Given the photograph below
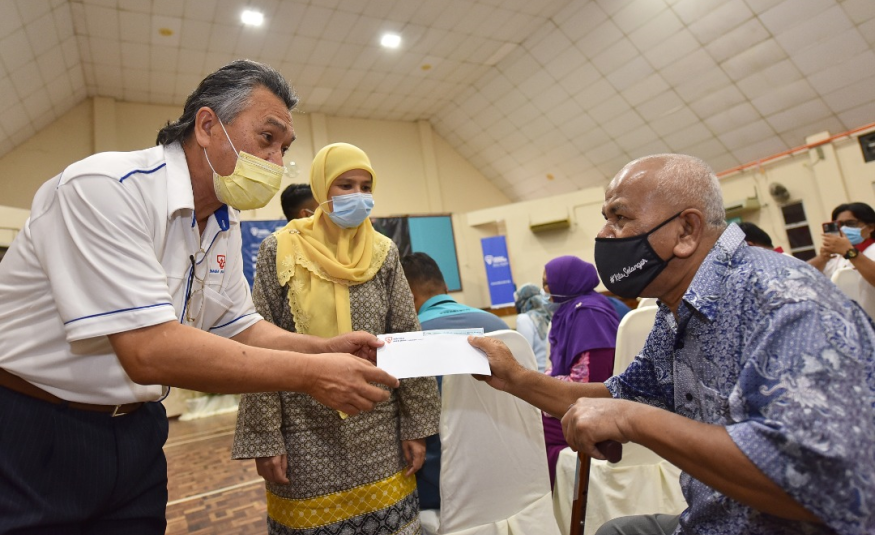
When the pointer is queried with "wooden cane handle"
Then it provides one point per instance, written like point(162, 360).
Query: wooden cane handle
point(611, 449)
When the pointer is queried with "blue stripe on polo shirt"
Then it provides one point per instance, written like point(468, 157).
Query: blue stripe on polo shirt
point(117, 312)
point(141, 171)
point(232, 321)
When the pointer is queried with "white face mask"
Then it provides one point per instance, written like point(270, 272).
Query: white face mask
point(253, 183)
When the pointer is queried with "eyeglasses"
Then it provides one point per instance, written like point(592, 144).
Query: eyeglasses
point(194, 299)
point(854, 223)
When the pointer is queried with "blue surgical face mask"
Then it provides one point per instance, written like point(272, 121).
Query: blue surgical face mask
point(853, 234)
point(351, 210)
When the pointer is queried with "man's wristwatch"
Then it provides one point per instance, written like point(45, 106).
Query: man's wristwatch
point(851, 253)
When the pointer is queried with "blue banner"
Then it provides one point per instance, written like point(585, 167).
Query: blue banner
point(254, 232)
point(501, 286)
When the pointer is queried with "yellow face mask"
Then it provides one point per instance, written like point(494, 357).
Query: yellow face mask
point(253, 183)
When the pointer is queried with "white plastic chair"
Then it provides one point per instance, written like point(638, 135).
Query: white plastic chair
point(631, 335)
point(642, 482)
point(647, 302)
point(494, 478)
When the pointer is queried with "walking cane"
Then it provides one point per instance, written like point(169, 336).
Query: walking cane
point(613, 452)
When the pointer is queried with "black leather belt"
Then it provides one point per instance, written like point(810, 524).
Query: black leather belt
point(17, 384)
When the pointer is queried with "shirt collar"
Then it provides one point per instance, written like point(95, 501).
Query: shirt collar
point(179, 192)
point(180, 195)
point(432, 301)
point(708, 286)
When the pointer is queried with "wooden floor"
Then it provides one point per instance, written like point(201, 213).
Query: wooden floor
point(210, 494)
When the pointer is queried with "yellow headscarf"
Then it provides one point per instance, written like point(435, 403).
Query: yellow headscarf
point(320, 260)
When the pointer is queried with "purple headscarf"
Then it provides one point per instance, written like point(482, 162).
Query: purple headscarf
point(585, 320)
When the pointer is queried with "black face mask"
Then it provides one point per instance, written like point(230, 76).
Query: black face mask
point(627, 265)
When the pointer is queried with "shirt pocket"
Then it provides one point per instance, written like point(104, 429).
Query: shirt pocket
point(216, 307)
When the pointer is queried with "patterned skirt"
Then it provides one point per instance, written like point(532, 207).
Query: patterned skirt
point(386, 507)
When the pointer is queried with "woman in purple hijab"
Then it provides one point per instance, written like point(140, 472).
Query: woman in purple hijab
point(583, 335)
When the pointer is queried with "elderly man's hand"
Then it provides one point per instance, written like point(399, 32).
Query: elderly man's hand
point(358, 343)
point(835, 244)
point(501, 361)
point(592, 420)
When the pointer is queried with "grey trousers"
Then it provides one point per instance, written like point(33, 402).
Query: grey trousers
point(640, 525)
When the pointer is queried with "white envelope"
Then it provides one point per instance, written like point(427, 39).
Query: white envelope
point(430, 353)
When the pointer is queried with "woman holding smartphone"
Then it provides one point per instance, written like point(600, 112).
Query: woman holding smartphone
point(847, 243)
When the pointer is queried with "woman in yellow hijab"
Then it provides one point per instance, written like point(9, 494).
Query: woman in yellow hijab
point(326, 275)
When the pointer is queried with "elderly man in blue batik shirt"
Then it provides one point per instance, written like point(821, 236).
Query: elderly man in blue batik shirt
point(757, 380)
point(437, 310)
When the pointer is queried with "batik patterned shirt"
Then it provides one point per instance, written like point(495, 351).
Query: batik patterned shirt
point(768, 347)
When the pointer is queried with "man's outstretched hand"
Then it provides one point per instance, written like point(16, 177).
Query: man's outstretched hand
point(342, 382)
point(502, 363)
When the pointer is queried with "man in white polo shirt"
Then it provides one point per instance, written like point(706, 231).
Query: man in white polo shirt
point(127, 270)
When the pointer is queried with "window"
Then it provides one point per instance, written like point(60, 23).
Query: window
point(798, 231)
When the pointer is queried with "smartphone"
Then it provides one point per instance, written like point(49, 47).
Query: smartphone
point(831, 227)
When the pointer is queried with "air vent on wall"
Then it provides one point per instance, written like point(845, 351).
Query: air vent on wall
point(559, 224)
point(549, 222)
point(751, 204)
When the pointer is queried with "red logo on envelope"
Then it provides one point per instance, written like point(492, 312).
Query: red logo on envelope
point(388, 339)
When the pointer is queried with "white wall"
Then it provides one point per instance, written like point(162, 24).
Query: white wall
point(11, 221)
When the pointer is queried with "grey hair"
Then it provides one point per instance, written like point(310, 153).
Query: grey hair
point(686, 181)
point(227, 93)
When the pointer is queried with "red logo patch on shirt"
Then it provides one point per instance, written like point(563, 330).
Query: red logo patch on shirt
point(220, 259)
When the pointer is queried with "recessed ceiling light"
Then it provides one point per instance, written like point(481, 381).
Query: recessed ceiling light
point(390, 40)
point(252, 18)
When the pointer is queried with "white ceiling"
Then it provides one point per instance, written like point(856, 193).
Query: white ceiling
point(543, 96)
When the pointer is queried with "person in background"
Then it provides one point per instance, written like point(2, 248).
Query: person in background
point(757, 237)
point(325, 275)
point(757, 380)
point(852, 248)
point(437, 310)
point(533, 320)
point(583, 335)
point(298, 202)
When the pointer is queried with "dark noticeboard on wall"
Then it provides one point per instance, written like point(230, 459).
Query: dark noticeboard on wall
point(429, 234)
point(432, 235)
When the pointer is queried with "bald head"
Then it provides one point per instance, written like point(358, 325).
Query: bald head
point(675, 203)
point(669, 183)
